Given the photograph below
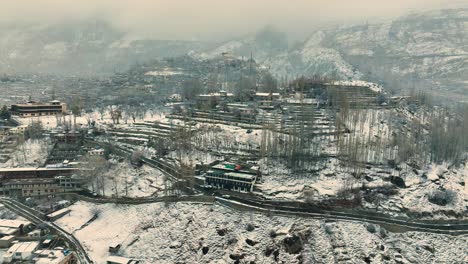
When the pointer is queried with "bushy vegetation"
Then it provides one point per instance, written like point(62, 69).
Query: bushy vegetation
point(4, 113)
point(442, 197)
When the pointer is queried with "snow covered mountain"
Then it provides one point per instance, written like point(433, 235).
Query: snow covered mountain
point(428, 50)
point(308, 58)
point(79, 48)
point(423, 50)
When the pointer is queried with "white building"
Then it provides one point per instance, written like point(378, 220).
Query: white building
point(22, 251)
point(120, 260)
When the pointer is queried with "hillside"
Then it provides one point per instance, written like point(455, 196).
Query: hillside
point(79, 48)
point(427, 50)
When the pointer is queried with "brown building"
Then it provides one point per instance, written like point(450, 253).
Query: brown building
point(31, 173)
point(35, 108)
point(37, 181)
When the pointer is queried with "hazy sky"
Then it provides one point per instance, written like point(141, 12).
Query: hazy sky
point(194, 18)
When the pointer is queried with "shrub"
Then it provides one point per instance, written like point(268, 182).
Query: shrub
point(328, 229)
point(273, 233)
point(383, 232)
point(371, 228)
point(442, 197)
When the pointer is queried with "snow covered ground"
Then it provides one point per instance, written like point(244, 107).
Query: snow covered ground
point(31, 153)
point(198, 233)
point(124, 180)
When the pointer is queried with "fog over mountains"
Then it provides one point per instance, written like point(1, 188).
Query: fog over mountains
point(428, 49)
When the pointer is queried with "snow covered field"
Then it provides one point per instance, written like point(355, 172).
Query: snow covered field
point(31, 153)
point(124, 180)
point(198, 233)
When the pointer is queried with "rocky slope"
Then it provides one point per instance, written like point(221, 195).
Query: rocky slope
point(196, 233)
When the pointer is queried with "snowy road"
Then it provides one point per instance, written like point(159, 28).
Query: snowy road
point(38, 218)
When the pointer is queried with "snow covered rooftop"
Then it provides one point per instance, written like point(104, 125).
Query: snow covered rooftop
point(216, 94)
point(23, 247)
point(165, 72)
point(119, 260)
point(267, 94)
point(373, 86)
point(35, 169)
point(49, 257)
point(13, 223)
point(8, 230)
point(6, 238)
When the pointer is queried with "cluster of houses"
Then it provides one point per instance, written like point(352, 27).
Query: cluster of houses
point(22, 242)
point(325, 93)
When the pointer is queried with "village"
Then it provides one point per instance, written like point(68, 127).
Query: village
point(310, 145)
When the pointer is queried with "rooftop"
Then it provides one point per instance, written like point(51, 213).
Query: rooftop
point(29, 181)
point(6, 238)
point(13, 223)
point(34, 169)
point(216, 94)
point(267, 94)
point(117, 259)
point(8, 230)
point(47, 256)
point(240, 175)
point(24, 247)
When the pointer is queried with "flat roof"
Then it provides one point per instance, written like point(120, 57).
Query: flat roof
point(24, 247)
point(34, 169)
point(215, 94)
point(117, 259)
point(58, 212)
point(237, 174)
point(240, 175)
point(7, 237)
point(8, 230)
point(222, 166)
point(47, 256)
point(29, 181)
point(13, 223)
point(267, 94)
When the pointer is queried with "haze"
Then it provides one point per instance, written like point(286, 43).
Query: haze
point(166, 19)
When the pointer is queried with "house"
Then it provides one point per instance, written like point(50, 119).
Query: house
point(14, 226)
point(34, 181)
point(96, 152)
point(267, 101)
point(6, 241)
point(120, 260)
point(175, 98)
point(213, 99)
point(243, 109)
point(114, 248)
point(27, 173)
point(19, 129)
point(230, 176)
point(35, 233)
point(20, 252)
point(36, 108)
point(30, 187)
point(46, 256)
point(8, 231)
point(58, 214)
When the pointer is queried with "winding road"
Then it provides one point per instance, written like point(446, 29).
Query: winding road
point(299, 209)
point(39, 218)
